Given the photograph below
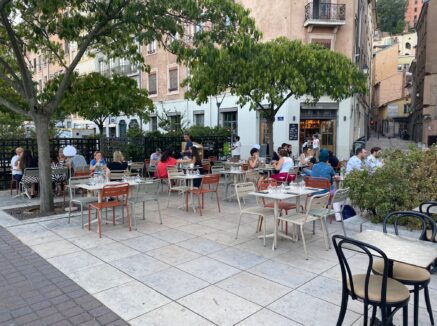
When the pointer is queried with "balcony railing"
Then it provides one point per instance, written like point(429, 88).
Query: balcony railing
point(317, 13)
point(125, 69)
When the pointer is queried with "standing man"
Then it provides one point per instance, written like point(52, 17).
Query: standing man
point(356, 162)
point(188, 145)
point(316, 146)
point(17, 173)
point(236, 148)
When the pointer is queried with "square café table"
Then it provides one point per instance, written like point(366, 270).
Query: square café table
point(401, 249)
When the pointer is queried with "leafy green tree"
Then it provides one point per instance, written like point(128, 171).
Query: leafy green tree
point(96, 98)
point(265, 75)
point(114, 27)
point(391, 15)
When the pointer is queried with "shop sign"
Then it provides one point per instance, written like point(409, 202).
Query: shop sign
point(392, 110)
point(280, 118)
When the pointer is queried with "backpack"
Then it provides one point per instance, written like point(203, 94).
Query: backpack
point(348, 212)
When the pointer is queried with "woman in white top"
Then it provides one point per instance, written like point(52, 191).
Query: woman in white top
point(284, 165)
point(306, 156)
point(316, 146)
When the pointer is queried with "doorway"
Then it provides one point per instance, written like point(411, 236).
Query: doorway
point(326, 129)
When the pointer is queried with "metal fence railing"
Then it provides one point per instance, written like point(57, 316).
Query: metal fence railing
point(135, 149)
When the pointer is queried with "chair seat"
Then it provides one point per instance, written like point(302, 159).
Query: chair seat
point(396, 291)
point(283, 205)
point(319, 212)
point(265, 211)
point(429, 235)
point(298, 218)
point(106, 204)
point(197, 191)
point(403, 272)
point(85, 200)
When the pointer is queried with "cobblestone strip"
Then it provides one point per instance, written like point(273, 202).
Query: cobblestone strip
point(33, 292)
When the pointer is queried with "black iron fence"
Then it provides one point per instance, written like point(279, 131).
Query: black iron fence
point(325, 11)
point(135, 149)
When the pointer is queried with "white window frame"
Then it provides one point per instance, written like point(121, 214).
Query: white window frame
point(151, 48)
point(169, 68)
point(153, 71)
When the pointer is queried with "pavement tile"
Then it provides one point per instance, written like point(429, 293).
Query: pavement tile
point(139, 266)
point(209, 269)
point(238, 258)
point(266, 317)
point(173, 255)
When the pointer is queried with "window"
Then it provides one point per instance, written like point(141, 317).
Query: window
point(199, 28)
point(415, 9)
point(101, 66)
point(45, 80)
point(122, 128)
point(408, 45)
point(400, 67)
point(40, 85)
point(152, 82)
point(229, 120)
point(406, 108)
point(34, 64)
point(323, 42)
point(199, 119)
point(39, 62)
point(153, 123)
point(134, 123)
point(175, 122)
point(173, 83)
point(151, 47)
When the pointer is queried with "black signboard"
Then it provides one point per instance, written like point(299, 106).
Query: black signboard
point(293, 131)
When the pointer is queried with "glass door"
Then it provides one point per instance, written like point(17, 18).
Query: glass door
point(327, 134)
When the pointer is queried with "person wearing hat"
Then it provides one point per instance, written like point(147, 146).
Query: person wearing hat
point(155, 157)
point(323, 169)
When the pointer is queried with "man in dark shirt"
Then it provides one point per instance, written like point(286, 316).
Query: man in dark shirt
point(333, 160)
point(188, 145)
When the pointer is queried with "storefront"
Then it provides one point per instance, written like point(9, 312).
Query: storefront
point(320, 120)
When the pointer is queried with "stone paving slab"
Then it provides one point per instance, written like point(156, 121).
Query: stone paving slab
point(33, 292)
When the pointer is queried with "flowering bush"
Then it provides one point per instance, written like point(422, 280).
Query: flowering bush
point(405, 180)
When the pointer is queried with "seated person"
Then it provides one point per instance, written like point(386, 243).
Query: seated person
point(254, 158)
point(333, 160)
point(275, 156)
point(323, 169)
point(306, 156)
point(284, 166)
point(118, 163)
point(98, 164)
point(155, 157)
point(167, 160)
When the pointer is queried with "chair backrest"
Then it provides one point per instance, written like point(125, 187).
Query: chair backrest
point(118, 175)
point(210, 179)
point(426, 207)
point(217, 169)
point(317, 203)
point(81, 171)
point(116, 190)
point(60, 170)
point(31, 172)
point(136, 166)
point(321, 183)
point(402, 216)
point(73, 182)
point(172, 169)
point(252, 176)
point(264, 183)
point(242, 191)
point(212, 158)
point(340, 244)
point(152, 168)
point(150, 187)
point(171, 174)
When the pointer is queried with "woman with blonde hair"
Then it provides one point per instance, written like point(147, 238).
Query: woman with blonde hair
point(118, 163)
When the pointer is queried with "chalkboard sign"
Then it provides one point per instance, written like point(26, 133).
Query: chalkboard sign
point(293, 131)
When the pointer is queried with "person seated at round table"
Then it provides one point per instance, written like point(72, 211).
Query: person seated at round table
point(284, 166)
point(98, 164)
point(167, 159)
point(254, 158)
point(306, 156)
point(333, 160)
point(118, 163)
point(58, 178)
point(323, 169)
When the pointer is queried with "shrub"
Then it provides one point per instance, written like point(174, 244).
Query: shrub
point(405, 180)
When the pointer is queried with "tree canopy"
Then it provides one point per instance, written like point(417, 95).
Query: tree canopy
point(96, 97)
point(115, 28)
point(265, 75)
point(391, 15)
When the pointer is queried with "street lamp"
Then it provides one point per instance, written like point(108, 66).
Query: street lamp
point(365, 69)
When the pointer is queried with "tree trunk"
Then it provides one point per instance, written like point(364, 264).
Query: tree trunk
point(270, 121)
point(45, 171)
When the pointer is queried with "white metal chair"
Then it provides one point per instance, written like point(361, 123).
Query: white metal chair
point(81, 201)
point(175, 184)
point(145, 192)
point(118, 174)
point(136, 167)
point(242, 191)
point(317, 203)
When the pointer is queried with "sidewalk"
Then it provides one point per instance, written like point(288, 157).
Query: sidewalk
point(388, 143)
point(33, 292)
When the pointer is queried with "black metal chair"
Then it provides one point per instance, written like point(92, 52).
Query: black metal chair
point(379, 291)
point(427, 208)
point(416, 277)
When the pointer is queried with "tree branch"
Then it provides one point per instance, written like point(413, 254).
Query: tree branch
point(29, 90)
point(16, 86)
point(283, 101)
point(3, 3)
point(12, 107)
point(9, 69)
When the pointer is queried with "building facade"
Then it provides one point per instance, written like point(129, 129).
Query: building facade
point(344, 26)
point(412, 12)
point(423, 121)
